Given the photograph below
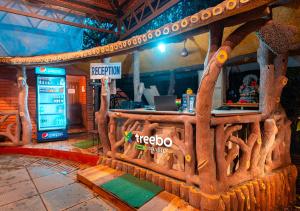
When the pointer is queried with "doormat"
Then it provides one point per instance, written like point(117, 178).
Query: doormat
point(131, 190)
point(85, 144)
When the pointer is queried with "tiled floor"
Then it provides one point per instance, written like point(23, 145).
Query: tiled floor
point(66, 145)
point(37, 184)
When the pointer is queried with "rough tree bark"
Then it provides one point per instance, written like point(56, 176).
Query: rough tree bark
point(102, 115)
point(204, 142)
point(23, 106)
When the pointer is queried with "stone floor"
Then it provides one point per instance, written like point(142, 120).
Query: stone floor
point(37, 184)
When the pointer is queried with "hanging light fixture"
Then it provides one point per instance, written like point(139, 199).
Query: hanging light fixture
point(184, 52)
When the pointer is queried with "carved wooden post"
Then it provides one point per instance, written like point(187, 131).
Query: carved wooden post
point(215, 41)
point(23, 106)
point(102, 115)
point(264, 58)
point(204, 137)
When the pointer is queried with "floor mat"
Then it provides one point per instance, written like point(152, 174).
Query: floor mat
point(131, 190)
point(85, 144)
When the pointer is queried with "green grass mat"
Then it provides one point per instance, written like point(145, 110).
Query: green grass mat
point(131, 190)
point(85, 144)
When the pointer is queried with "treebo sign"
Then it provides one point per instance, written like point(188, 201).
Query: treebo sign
point(154, 140)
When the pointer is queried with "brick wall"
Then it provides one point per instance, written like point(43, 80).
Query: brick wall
point(8, 94)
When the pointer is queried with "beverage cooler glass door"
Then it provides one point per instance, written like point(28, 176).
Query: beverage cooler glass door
point(51, 107)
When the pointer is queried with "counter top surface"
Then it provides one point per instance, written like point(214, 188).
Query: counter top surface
point(143, 111)
point(216, 113)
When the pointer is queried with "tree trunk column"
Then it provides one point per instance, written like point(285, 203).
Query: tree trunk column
point(23, 106)
point(102, 114)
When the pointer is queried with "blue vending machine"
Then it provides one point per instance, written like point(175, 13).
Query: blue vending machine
point(51, 104)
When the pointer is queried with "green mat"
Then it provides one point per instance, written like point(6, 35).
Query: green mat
point(131, 190)
point(85, 144)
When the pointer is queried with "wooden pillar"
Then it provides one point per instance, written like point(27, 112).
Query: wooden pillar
point(136, 76)
point(265, 60)
point(102, 114)
point(215, 41)
point(23, 106)
point(106, 61)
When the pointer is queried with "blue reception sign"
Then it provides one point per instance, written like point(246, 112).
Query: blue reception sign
point(50, 71)
point(110, 70)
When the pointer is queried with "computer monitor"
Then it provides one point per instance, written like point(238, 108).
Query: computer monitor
point(165, 103)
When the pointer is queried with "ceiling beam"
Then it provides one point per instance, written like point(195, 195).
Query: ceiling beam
point(46, 18)
point(156, 11)
point(80, 8)
point(94, 4)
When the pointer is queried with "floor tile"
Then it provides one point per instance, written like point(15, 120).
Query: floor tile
point(30, 204)
point(48, 162)
point(66, 196)
point(40, 171)
point(92, 205)
point(65, 167)
point(13, 176)
point(15, 192)
point(51, 182)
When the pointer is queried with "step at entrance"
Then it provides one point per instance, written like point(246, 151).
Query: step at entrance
point(97, 176)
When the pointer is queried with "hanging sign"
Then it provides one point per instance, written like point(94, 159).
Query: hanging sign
point(101, 70)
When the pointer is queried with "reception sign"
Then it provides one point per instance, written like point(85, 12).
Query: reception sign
point(110, 70)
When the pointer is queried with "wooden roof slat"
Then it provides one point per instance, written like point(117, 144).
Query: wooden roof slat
point(80, 8)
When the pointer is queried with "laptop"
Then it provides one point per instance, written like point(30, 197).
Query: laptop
point(165, 103)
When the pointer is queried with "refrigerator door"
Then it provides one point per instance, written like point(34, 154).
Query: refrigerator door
point(51, 107)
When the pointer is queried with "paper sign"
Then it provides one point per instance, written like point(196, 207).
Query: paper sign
point(101, 70)
point(71, 91)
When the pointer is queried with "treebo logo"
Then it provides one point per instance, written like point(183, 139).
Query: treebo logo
point(154, 140)
point(128, 137)
point(157, 143)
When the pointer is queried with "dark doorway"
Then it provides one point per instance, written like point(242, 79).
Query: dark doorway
point(76, 86)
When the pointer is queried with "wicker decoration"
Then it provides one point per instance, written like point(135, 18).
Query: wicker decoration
point(184, 23)
point(157, 32)
point(175, 27)
point(218, 10)
point(166, 30)
point(144, 37)
point(139, 40)
point(195, 18)
point(206, 14)
point(134, 41)
point(231, 4)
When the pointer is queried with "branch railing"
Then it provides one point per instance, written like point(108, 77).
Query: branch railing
point(177, 161)
point(12, 130)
